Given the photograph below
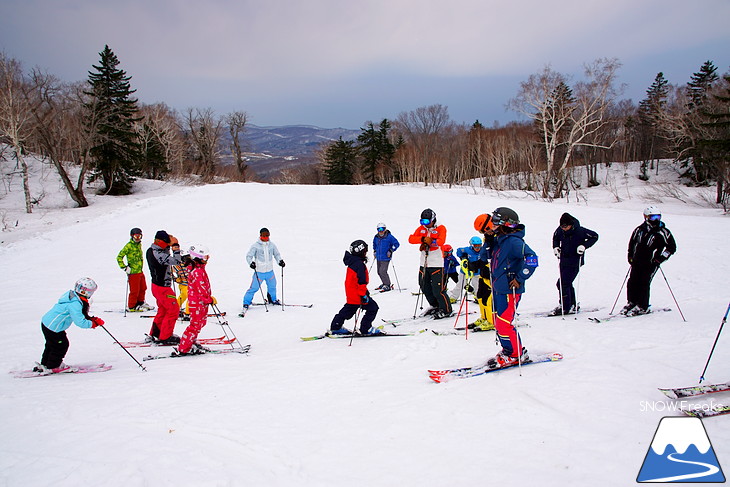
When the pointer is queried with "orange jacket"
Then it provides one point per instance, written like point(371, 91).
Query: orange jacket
point(432, 256)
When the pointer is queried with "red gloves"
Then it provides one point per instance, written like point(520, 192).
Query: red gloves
point(96, 321)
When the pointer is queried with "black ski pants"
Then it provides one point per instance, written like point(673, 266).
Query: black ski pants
point(56, 347)
point(433, 285)
point(565, 286)
point(639, 284)
point(349, 310)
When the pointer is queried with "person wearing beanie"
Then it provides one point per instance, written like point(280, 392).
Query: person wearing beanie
point(260, 258)
point(570, 241)
point(132, 251)
point(161, 256)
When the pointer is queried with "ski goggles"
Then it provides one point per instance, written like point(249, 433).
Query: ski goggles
point(498, 220)
point(381, 229)
point(425, 221)
point(654, 218)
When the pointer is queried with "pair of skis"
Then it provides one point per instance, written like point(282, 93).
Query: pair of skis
point(700, 390)
point(73, 369)
point(446, 375)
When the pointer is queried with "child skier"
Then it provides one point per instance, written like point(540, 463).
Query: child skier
point(161, 256)
point(199, 298)
point(430, 237)
point(451, 271)
point(260, 258)
point(570, 241)
point(356, 292)
point(72, 307)
point(132, 251)
point(469, 263)
point(650, 245)
point(180, 273)
point(483, 224)
point(384, 244)
point(513, 262)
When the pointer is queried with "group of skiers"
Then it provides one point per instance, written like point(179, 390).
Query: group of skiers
point(494, 267)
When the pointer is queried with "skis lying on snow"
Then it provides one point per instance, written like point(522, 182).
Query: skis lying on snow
point(357, 335)
point(74, 369)
point(692, 391)
point(699, 411)
point(460, 330)
point(419, 318)
point(466, 372)
point(243, 349)
point(203, 341)
point(550, 314)
point(285, 305)
point(707, 412)
point(610, 317)
point(209, 315)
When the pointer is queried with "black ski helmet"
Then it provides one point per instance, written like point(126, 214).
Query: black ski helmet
point(135, 231)
point(428, 214)
point(505, 216)
point(359, 247)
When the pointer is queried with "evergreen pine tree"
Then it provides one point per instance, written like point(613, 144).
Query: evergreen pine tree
point(716, 145)
point(376, 150)
point(650, 111)
point(116, 148)
point(339, 159)
point(698, 93)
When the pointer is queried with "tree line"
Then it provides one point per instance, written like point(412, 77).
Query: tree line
point(96, 130)
point(570, 127)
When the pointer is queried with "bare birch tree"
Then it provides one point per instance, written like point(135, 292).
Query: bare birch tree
point(236, 122)
point(204, 131)
point(15, 116)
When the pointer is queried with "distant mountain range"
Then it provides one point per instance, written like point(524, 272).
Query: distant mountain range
point(271, 149)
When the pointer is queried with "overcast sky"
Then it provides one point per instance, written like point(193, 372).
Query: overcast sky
point(341, 63)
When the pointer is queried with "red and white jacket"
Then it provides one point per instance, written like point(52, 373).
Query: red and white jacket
point(432, 256)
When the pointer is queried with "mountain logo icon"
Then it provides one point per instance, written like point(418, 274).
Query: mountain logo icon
point(680, 452)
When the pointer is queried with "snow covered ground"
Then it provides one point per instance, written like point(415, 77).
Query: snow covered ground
point(324, 413)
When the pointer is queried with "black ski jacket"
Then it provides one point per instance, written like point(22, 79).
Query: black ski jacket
point(569, 241)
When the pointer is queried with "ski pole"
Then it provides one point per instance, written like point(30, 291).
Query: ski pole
point(619, 291)
point(354, 328)
point(396, 278)
point(670, 292)
point(256, 274)
point(722, 324)
point(225, 326)
point(419, 296)
point(282, 289)
point(126, 298)
point(517, 334)
point(560, 282)
point(577, 293)
point(142, 366)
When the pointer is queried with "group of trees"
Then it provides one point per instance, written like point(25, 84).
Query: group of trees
point(100, 130)
point(570, 126)
point(97, 130)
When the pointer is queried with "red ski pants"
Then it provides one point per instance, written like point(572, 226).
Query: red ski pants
point(137, 289)
point(167, 312)
point(198, 319)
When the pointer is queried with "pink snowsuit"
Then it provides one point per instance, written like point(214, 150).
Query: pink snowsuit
point(199, 297)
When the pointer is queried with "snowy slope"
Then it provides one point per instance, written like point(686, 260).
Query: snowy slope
point(324, 413)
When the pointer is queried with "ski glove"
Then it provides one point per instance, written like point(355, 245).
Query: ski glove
point(127, 270)
point(281, 263)
point(469, 288)
point(581, 249)
point(556, 251)
point(253, 265)
point(364, 299)
point(514, 283)
point(96, 321)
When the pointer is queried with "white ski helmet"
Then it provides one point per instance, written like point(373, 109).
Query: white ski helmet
point(652, 210)
point(198, 252)
point(85, 287)
point(381, 225)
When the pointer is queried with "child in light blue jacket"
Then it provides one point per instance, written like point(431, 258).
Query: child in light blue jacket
point(72, 307)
